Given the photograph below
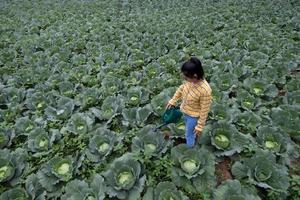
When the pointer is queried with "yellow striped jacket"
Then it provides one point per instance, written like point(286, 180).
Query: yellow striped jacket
point(196, 100)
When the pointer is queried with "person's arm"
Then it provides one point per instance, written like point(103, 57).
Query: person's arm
point(205, 102)
point(177, 95)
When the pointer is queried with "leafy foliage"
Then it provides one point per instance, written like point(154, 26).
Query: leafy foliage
point(125, 178)
point(193, 168)
point(82, 81)
point(262, 170)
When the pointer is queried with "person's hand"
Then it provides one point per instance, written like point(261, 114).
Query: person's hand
point(169, 106)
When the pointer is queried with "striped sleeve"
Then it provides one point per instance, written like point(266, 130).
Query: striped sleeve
point(205, 102)
point(177, 95)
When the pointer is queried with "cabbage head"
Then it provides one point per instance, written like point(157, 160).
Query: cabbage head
point(227, 140)
point(278, 142)
point(40, 142)
point(101, 144)
point(80, 123)
point(24, 125)
point(11, 113)
point(150, 142)
point(36, 101)
point(248, 121)
point(125, 178)
point(89, 97)
point(136, 95)
point(221, 112)
point(193, 168)
point(177, 130)
point(110, 85)
point(271, 139)
point(246, 100)
point(56, 171)
point(12, 165)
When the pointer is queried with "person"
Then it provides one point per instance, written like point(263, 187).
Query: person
point(196, 95)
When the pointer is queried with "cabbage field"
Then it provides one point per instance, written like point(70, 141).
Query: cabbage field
point(83, 84)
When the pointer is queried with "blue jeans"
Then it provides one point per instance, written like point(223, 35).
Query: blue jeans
point(190, 124)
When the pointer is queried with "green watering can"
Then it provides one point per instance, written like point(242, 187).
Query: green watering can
point(171, 115)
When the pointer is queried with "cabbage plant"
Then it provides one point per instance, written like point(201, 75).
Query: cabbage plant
point(246, 100)
point(56, 171)
point(224, 81)
point(24, 125)
point(263, 171)
point(278, 142)
point(271, 139)
point(177, 130)
point(111, 85)
point(248, 121)
point(101, 144)
point(155, 85)
point(67, 89)
point(12, 165)
point(160, 101)
point(12, 95)
point(14, 194)
point(287, 118)
point(221, 112)
point(36, 100)
point(88, 97)
point(125, 178)
point(111, 106)
point(40, 142)
point(164, 191)
point(92, 189)
point(260, 88)
point(34, 189)
point(133, 79)
point(80, 123)
point(150, 142)
point(153, 70)
point(11, 113)
point(234, 190)
point(228, 140)
point(6, 136)
point(136, 116)
point(193, 168)
point(136, 95)
point(62, 110)
point(292, 98)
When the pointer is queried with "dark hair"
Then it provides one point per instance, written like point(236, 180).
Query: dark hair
point(191, 67)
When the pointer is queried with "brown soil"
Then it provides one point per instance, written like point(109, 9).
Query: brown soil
point(295, 71)
point(178, 141)
point(223, 170)
point(281, 92)
point(295, 167)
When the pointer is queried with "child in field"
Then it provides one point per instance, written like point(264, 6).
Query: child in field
point(196, 96)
